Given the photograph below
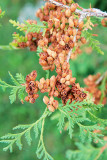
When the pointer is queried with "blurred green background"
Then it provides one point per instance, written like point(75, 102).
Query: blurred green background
point(24, 61)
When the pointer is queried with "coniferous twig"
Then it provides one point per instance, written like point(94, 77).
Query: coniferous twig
point(17, 88)
point(27, 27)
point(12, 139)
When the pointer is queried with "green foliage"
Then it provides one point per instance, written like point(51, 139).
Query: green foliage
point(29, 27)
point(76, 114)
point(81, 69)
point(86, 151)
point(18, 87)
point(41, 150)
point(2, 14)
point(99, 120)
point(11, 139)
point(39, 50)
point(95, 44)
point(11, 46)
point(19, 38)
point(103, 87)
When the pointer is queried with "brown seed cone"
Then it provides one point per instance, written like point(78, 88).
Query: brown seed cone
point(35, 35)
point(50, 60)
point(62, 80)
point(74, 32)
point(71, 44)
point(55, 104)
point(83, 40)
point(42, 80)
point(75, 22)
point(81, 24)
point(58, 71)
point(79, 32)
point(51, 100)
point(73, 7)
point(29, 43)
point(40, 85)
point(63, 25)
point(52, 81)
point(32, 100)
point(51, 108)
point(46, 100)
point(67, 77)
point(68, 83)
point(22, 44)
point(68, 13)
point(104, 22)
point(43, 55)
point(29, 36)
point(71, 23)
point(72, 80)
point(35, 96)
point(70, 31)
point(64, 74)
point(78, 37)
point(27, 98)
point(28, 79)
point(43, 90)
point(43, 62)
point(52, 67)
point(46, 67)
point(56, 93)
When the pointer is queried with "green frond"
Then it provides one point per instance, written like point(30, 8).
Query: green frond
point(4, 85)
point(11, 46)
point(13, 79)
point(9, 147)
point(22, 126)
point(5, 141)
point(29, 27)
point(13, 93)
point(19, 38)
point(103, 87)
point(70, 126)
point(61, 121)
point(28, 137)
point(36, 130)
point(95, 44)
point(39, 50)
point(2, 14)
point(99, 120)
point(91, 105)
point(76, 113)
point(21, 94)
point(86, 151)
point(17, 88)
point(20, 78)
point(19, 143)
point(9, 136)
point(14, 23)
point(82, 119)
point(87, 132)
point(41, 150)
point(47, 74)
point(11, 139)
